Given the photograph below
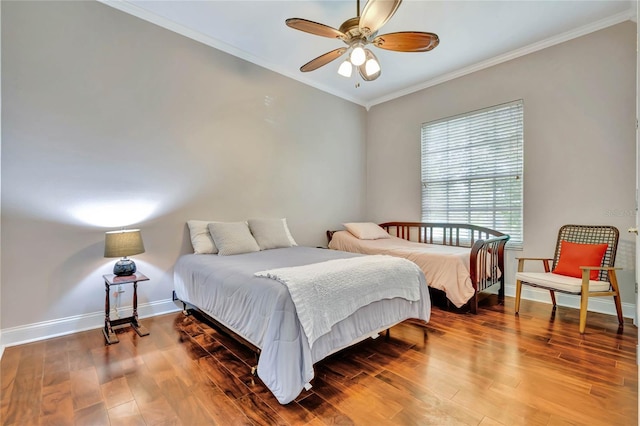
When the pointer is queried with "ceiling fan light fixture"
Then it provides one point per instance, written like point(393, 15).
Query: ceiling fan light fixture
point(346, 68)
point(370, 70)
point(358, 55)
point(371, 67)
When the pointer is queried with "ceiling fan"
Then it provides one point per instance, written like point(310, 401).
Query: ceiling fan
point(361, 31)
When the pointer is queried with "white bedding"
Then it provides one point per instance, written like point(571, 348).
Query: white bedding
point(262, 312)
point(445, 267)
point(326, 293)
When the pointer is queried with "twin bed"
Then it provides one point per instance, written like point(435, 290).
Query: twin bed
point(460, 260)
point(294, 305)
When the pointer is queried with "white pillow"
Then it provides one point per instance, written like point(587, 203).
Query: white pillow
point(270, 233)
point(366, 230)
point(201, 238)
point(232, 238)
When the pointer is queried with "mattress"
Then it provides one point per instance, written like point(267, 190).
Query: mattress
point(261, 311)
point(446, 268)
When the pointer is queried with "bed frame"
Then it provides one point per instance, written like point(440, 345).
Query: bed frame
point(487, 249)
point(191, 310)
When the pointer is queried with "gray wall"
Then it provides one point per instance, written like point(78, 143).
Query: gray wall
point(110, 121)
point(580, 154)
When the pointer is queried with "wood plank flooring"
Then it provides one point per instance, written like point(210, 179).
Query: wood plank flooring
point(489, 369)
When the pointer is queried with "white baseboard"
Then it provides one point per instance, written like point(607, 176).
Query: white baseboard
point(603, 305)
point(63, 326)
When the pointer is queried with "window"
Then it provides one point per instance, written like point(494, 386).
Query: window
point(472, 169)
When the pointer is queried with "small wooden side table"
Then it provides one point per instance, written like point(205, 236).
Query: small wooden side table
point(111, 280)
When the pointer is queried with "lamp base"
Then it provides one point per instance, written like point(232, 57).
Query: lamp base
point(124, 267)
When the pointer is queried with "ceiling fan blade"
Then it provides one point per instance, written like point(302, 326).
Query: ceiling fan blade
point(322, 60)
point(407, 41)
point(314, 28)
point(376, 13)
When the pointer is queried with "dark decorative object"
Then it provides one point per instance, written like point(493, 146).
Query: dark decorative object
point(124, 266)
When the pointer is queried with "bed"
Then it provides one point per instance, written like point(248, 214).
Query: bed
point(460, 260)
point(262, 313)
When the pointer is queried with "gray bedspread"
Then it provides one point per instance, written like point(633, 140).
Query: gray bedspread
point(262, 312)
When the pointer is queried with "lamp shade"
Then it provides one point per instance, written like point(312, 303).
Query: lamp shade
point(123, 243)
point(370, 70)
point(345, 69)
point(358, 55)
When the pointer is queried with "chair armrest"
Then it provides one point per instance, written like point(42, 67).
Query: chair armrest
point(611, 273)
point(545, 262)
point(534, 258)
point(600, 268)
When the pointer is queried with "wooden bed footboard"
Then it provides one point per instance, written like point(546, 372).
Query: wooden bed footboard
point(486, 262)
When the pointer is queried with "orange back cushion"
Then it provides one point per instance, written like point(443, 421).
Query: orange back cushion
point(573, 256)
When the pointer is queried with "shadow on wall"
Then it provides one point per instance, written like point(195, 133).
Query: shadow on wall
point(626, 256)
point(78, 276)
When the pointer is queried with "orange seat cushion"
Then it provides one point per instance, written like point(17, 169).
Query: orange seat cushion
point(573, 256)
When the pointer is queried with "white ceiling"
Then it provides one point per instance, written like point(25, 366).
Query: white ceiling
point(473, 35)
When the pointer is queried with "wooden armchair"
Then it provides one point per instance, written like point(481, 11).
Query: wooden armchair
point(590, 278)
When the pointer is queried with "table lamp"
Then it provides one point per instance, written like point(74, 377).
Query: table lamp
point(126, 242)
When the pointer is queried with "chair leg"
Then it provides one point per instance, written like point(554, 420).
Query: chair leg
point(518, 292)
point(616, 297)
point(584, 300)
point(584, 303)
point(553, 298)
point(616, 300)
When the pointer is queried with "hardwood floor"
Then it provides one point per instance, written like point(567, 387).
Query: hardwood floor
point(487, 369)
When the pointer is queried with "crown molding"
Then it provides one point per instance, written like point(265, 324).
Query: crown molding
point(629, 14)
point(131, 9)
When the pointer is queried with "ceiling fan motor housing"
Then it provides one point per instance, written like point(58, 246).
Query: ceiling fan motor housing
point(352, 31)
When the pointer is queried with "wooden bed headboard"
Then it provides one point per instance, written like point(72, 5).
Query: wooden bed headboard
point(449, 234)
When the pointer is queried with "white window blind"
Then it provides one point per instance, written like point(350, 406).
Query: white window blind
point(472, 169)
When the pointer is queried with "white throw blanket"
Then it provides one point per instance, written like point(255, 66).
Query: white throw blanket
point(326, 293)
